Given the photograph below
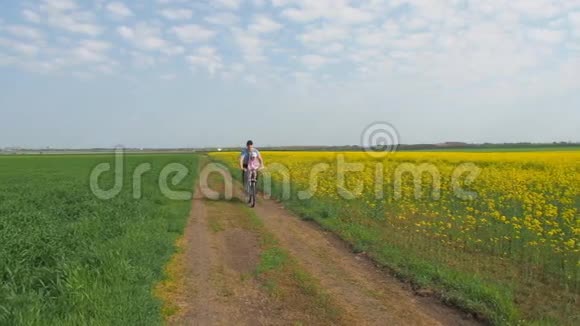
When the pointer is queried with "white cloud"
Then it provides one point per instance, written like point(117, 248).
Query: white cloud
point(60, 5)
point(165, 2)
point(229, 4)
point(419, 23)
point(177, 14)
point(259, 3)
point(94, 45)
point(119, 9)
point(332, 48)
point(263, 24)
point(251, 46)
point(433, 11)
point(452, 43)
point(314, 61)
point(31, 16)
point(547, 35)
point(415, 41)
point(339, 11)
point(106, 68)
point(73, 25)
point(192, 33)
point(142, 60)
point(324, 34)
point(36, 54)
point(539, 9)
point(91, 51)
point(126, 32)
point(223, 18)
point(143, 36)
point(24, 32)
point(574, 18)
point(372, 38)
point(301, 16)
point(19, 47)
point(173, 50)
point(206, 58)
point(65, 15)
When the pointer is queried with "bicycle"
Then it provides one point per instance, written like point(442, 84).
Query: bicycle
point(250, 185)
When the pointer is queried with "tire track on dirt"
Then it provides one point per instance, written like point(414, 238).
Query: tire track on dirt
point(198, 264)
point(218, 262)
point(222, 252)
point(367, 294)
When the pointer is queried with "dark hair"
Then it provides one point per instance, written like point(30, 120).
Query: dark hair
point(249, 142)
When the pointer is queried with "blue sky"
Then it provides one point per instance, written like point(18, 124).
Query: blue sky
point(169, 73)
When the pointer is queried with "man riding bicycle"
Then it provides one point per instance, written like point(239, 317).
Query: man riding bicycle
point(249, 153)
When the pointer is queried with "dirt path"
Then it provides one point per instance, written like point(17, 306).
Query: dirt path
point(362, 290)
point(223, 251)
point(216, 262)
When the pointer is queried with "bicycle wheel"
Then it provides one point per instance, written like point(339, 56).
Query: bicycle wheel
point(252, 194)
point(247, 188)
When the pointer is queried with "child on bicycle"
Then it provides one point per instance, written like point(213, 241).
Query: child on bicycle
point(250, 155)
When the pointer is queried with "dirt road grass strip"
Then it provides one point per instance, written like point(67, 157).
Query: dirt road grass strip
point(278, 273)
point(252, 278)
point(281, 275)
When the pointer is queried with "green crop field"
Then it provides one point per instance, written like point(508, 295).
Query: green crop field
point(68, 257)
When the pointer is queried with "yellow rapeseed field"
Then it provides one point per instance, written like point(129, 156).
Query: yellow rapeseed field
point(522, 206)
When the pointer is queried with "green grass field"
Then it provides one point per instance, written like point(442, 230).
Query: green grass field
point(69, 258)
